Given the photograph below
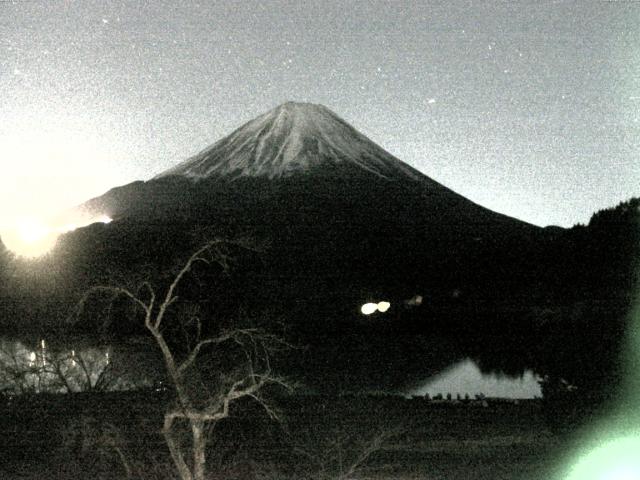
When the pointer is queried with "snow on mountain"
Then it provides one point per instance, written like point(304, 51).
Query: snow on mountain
point(291, 138)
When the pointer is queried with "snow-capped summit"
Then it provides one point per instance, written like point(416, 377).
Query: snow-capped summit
point(292, 138)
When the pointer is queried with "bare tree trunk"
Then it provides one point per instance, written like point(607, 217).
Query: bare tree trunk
point(199, 449)
point(123, 459)
point(174, 450)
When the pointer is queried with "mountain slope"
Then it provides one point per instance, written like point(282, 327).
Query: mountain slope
point(292, 138)
point(295, 146)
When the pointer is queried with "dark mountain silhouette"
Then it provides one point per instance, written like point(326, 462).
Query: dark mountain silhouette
point(344, 220)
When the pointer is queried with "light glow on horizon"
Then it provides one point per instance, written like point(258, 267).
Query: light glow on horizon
point(52, 162)
point(32, 230)
point(31, 237)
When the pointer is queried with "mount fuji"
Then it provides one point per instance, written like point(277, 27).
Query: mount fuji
point(293, 138)
point(344, 221)
point(290, 144)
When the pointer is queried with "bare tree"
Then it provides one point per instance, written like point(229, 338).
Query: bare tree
point(88, 370)
point(25, 370)
point(204, 391)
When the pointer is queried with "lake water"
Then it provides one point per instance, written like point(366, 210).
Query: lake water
point(465, 378)
point(77, 364)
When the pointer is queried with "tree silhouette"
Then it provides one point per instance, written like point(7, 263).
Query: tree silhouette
point(209, 370)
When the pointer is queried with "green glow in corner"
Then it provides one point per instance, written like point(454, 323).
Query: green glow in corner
point(614, 452)
point(615, 460)
point(630, 401)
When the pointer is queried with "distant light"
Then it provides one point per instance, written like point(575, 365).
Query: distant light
point(383, 306)
point(104, 219)
point(32, 356)
point(414, 301)
point(369, 308)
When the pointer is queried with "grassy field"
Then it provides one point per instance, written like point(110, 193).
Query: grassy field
point(104, 435)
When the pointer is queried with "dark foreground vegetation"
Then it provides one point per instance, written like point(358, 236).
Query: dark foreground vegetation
point(559, 306)
point(117, 435)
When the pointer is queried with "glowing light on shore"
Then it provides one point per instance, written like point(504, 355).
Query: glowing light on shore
point(369, 308)
point(383, 306)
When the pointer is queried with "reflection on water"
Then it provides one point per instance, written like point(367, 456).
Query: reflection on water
point(75, 365)
point(60, 368)
point(465, 378)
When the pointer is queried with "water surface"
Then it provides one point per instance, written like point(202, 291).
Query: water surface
point(466, 378)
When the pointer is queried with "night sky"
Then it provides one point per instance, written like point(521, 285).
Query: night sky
point(529, 108)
